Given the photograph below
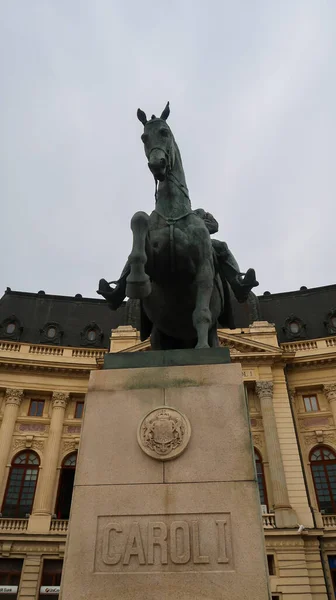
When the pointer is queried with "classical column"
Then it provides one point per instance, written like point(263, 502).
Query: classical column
point(330, 393)
point(284, 514)
point(309, 479)
point(43, 503)
point(13, 399)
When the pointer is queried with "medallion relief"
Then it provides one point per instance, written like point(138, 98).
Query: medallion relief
point(164, 433)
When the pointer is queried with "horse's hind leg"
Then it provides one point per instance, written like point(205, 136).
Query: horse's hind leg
point(138, 284)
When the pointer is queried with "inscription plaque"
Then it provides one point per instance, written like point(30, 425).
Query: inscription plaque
point(141, 544)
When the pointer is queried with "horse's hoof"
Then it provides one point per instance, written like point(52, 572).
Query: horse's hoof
point(138, 290)
point(201, 346)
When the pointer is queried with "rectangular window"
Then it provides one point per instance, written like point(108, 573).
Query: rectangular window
point(51, 579)
point(79, 410)
point(332, 567)
point(10, 574)
point(271, 564)
point(36, 408)
point(310, 403)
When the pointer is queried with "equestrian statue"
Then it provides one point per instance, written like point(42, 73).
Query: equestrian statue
point(180, 275)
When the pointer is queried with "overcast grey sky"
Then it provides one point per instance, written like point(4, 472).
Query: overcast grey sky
point(253, 98)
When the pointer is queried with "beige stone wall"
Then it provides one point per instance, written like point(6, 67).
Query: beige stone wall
point(42, 371)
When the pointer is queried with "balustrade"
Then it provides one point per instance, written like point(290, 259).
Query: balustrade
point(10, 525)
point(59, 525)
point(329, 521)
point(46, 350)
point(88, 353)
point(10, 347)
point(269, 521)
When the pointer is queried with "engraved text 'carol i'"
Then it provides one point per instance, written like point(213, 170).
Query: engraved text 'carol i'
point(164, 543)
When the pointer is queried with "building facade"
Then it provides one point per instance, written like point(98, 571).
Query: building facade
point(286, 344)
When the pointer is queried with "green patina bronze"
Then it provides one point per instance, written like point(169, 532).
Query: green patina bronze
point(167, 358)
point(179, 273)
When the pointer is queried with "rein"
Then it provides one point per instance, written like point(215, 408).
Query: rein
point(171, 221)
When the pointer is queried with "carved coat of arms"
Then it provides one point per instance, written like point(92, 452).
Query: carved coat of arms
point(164, 433)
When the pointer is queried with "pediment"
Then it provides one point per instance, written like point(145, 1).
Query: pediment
point(243, 345)
point(239, 346)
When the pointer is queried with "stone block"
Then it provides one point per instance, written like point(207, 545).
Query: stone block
point(187, 528)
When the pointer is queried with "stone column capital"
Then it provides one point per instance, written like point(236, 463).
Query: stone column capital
point(330, 391)
point(13, 396)
point(292, 395)
point(60, 399)
point(264, 389)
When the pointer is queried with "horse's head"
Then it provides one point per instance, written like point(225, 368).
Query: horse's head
point(158, 143)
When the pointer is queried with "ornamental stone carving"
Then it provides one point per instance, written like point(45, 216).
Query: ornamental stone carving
point(329, 438)
point(6, 549)
point(310, 439)
point(164, 433)
point(256, 423)
point(26, 442)
point(73, 429)
point(292, 396)
point(35, 549)
point(330, 391)
point(320, 437)
point(329, 545)
point(264, 389)
point(35, 427)
point(70, 445)
point(13, 396)
point(257, 440)
point(312, 421)
point(60, 399)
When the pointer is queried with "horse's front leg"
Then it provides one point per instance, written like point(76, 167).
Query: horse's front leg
point(138, 284)
point(202, 318)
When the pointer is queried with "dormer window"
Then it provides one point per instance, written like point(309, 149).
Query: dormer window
point(91, 335)
point(51, 333)
point(294, 327)
point(10, 328)
point(330, 322)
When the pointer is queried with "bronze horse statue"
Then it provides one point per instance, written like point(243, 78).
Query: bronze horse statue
point(175, 269)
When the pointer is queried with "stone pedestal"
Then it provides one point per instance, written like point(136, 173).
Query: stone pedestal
point(187, 527)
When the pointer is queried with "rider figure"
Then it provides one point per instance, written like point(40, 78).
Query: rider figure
point(227, 267)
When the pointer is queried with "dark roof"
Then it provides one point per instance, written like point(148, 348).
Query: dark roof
point(313, 307)
point(72, 317)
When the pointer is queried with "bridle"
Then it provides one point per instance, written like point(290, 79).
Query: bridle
point(171, 221)
point(170, 175)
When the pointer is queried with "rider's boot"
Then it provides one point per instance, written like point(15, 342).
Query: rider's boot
point(241, 284)
point(228, 268)
point(114, 296)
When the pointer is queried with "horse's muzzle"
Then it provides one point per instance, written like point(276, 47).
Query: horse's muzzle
point(159, 168)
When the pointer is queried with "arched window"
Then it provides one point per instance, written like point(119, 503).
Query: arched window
point(323, 466)
point(21, 485)
point(260, 477)
point(65, 486)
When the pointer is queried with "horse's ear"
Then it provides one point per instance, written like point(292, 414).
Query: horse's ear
point(141, 116)
point(165, 112)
